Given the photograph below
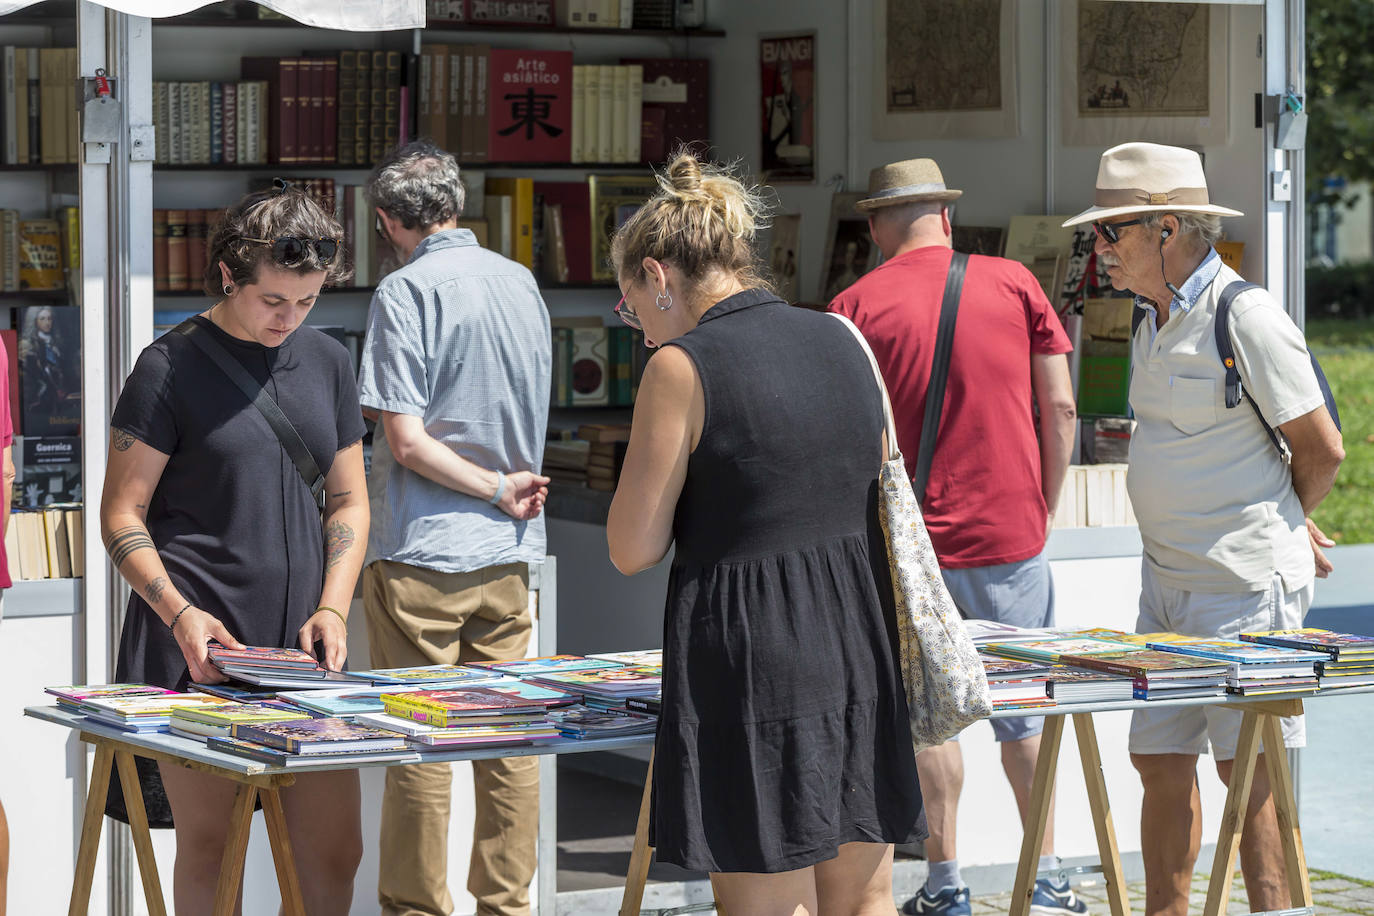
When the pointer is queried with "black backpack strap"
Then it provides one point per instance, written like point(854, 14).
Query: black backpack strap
point(939, 372)
point(1138, 316)
point(290, 440)
point(1222, 331)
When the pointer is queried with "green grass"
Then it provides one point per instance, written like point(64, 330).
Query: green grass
point(1346, 352)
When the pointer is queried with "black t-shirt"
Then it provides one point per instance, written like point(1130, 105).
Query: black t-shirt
point(233, 521)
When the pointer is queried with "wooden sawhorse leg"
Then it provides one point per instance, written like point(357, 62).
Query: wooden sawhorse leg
point(641, 854)
point(1259, 720)
point(1042, 794)
point(111, 754)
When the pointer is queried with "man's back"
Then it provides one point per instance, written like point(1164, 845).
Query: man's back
point(459, 337)
point(984, 503)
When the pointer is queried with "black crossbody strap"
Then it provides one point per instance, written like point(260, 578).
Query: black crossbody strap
point(1221, 330)
point(939, 372)
point(290, 439)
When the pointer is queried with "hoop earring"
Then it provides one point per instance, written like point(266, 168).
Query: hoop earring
point(660, 297)
point(228, 289)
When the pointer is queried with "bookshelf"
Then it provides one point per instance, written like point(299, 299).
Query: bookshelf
point(481, 166)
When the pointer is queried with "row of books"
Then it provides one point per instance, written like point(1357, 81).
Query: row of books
point(208, 123)
point(595, 366)
point(426, 709)
point(38, 106)
point(45, 544)
point(599, 14)
point(592, 458)
point(39, 254)
point(608, 113)
point(1031, 668)
point(1094, 496)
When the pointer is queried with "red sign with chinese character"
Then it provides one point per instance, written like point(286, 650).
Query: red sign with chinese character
point(529, 106)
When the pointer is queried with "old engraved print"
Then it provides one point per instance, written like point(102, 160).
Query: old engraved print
point(1121, 75)
point(943, 55)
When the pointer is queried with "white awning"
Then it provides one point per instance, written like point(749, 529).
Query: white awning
point(350, 15)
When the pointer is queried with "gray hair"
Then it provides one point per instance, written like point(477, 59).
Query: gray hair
point(417, 184)
point(907, 213)
point(1206, 226)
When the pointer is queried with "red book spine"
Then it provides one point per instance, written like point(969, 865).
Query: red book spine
point(286, 126)
point(312, 139)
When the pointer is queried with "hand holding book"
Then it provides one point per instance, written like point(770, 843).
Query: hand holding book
point(194, 631)
point(327, 630)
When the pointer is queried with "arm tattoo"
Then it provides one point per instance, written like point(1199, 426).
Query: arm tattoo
point(156, 588)
point(341, 494)
point(121, 439)
point(338, 538)
point(125, 541)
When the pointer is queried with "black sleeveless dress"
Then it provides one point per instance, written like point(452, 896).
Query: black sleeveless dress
point(784, 727)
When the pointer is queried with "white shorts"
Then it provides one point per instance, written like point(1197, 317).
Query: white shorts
point(1189, 729)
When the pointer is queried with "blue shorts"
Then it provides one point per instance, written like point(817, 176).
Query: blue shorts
point(1021, 594)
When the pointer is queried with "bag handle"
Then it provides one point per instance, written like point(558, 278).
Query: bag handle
point(889, 423)
point(290, 439)
point(939, 373)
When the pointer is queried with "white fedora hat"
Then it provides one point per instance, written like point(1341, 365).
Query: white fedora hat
point(905, 182)
point(1146, 178)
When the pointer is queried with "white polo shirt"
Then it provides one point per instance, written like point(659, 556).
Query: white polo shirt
point(1214, 499)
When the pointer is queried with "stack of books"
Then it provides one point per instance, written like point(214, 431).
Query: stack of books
point(302, 741)
point(1079, 685)
point(983, 632)
point(1347, 659)
point(342, 703)
point(268, 666)
point(429, 675)
point(1252, 669)
point(581, 721)
point(71, 696)
point(149, 713)
point(1016, 684)
point(1157, 675)
point(605, 688)
point(467, 717)
point(1051, 650)
point(649, 657)
point(545, 664)
point(217, 721)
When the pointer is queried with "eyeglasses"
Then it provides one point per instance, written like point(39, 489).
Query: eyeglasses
point(627, 314)
point(289, 251)
point(1109, 231)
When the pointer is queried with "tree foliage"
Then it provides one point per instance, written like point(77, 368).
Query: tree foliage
point(1340, 76)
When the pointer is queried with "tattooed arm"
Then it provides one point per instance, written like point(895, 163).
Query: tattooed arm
point(132, 472)
point(345, 542)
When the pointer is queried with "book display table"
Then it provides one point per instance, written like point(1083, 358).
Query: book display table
point(115, 749)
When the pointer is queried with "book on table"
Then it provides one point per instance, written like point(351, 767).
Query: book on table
point(1242, 659)
point(448, 708)
point(1175, 690)
point(309, 736)
point(254, 751)
point(583, 722)
point(265, 656)
point(1080, 685)
point(619, 681)
point(642, 657)
point(143, 713)
point(651, 706)
point(986, 631)
point(1017, 692)
point(237, 694)
point(996, 668)
point(524, 667)
point(71, 696)
point(1150, 665)
point(1339, 647)
point(342, 702)
point(203, 723)
point(428, 675)
point(280, 678)
point(1052, 651)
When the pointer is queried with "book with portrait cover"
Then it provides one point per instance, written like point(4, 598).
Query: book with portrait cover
point(50, 370)
point(529, 106)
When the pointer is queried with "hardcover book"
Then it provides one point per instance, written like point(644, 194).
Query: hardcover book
point(676, 94)
point(262, 655)
point(524, 667)
point(72, 695)
point(641, 657)
point(1052, 650)
point(50, 370)
point(1147, 664)
point(529, 106)
point(428, 674)
point(1338, 646)
point(617, 681)
point(308, 736)
point(230, 713)
point(254, 751)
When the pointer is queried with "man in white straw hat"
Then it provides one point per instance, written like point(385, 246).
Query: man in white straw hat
point(990, 482)
point(1222, 506)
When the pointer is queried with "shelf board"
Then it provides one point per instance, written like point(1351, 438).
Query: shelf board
point(35, 295)
point(38, 166)
point(316, 167)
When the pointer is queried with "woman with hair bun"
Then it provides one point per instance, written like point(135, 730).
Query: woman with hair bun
point(783, 763)
point(221, 538)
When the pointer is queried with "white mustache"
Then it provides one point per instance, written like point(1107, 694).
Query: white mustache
point(1107, 260)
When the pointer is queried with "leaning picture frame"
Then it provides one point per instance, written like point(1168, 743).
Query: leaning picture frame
point(783, 253)
point(849, 250)
point(787, 107)
point(614, 199)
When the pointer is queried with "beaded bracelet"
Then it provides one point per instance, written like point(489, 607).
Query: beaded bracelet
point(173, 624)
point(334, 611)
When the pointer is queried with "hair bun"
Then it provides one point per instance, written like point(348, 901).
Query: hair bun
point(684, 173)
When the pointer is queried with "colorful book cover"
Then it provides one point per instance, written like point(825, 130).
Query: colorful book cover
point(1336, 645)
point(529, 105)
point(996, 668)
point(254, 751)
point(40, 254)
point(640, 657)
point(1146, 663)
point(262, 655)
point(75, 694)
point(50, 370)
point(467, 700)
point(305, 735)
point(151, 705)
point(629, 679)
point(237, 712)
point(348, 702)
point(1231, 651)
point(1052, 650)
point(524, 667)
point(533, 693)
point(428, 674)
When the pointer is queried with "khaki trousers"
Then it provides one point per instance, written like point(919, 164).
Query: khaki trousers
point(418, 616)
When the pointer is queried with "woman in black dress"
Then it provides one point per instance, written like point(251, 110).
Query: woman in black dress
point(218, 534)
point(783, 763)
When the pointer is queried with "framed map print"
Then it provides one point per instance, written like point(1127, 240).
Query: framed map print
point(944, 69)
point(1116, 87)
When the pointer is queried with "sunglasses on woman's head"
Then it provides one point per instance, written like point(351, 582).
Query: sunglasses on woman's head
point(627, 314)
point(289, 251)
point(1109, 231)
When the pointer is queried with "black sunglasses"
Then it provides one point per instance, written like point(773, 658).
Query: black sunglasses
point(1109, 230)
point(289, 251)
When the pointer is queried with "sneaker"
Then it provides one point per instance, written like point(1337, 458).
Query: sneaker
point(1050, 899)
point(951, 901)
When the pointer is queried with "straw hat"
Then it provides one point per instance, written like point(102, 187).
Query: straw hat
point(905, 182)
point(1147, 177)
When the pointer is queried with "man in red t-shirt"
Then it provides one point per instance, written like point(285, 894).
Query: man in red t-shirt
point(993, 482)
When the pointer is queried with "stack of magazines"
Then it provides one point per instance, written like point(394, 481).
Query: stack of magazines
point(266, 666)
point(582, 721)
point(1347, 660)
point(470, 716)
point(1016, 684)
point(306, 741)
point(218, 721)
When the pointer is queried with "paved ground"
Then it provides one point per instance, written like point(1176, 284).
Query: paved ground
point(1331, 893)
